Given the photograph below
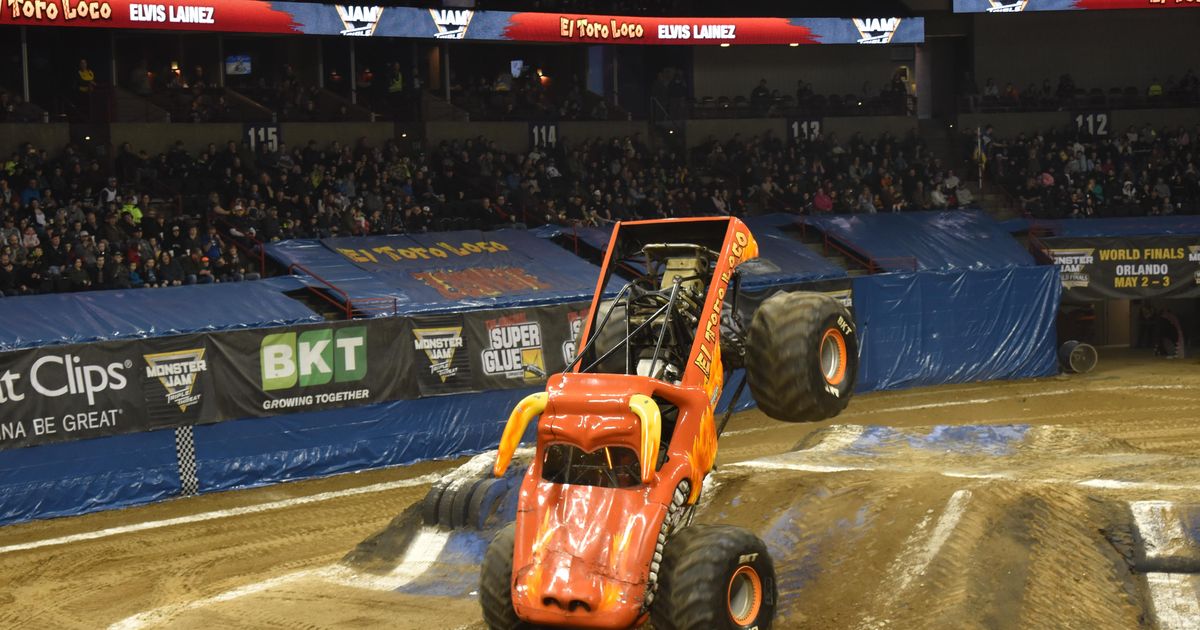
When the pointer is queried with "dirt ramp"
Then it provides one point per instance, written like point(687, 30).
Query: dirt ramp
point(992, 526)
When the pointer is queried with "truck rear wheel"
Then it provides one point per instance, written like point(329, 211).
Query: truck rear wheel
point(495, 583)
point(715, 577)
point(802, 357)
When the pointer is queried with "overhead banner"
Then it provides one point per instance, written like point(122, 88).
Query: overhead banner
point(1127, 268)
point(299, 18)
point(74, 392)
point(1020, 6)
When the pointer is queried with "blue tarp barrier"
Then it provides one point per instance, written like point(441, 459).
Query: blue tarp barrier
point(956, 327)
point(594, 237)
point(446, 271)
point(1125, 226)
point(261, 451)
point(77, 477)
point(934, 241)
point(782, 258)
point(61, 318)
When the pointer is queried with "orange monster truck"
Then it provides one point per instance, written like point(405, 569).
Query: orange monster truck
point(627, 436)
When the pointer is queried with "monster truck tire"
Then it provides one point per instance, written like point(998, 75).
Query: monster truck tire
point(495, 583)
point(484, 502)
point(714, 577)
point(802, 357)
point(429, 505)
point(461, 503)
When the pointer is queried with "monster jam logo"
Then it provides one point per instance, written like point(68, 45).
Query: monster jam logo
point(439, 345)
point(876, 30)
point(177, 372)
point(1072, 266)
point(451, 23)
point(314, 357)
point(575, 321)
point(515, 349)
point(999, 6)
point(359, 21)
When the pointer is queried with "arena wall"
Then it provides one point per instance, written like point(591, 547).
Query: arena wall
point(1011, 123)
point(736, 70)
point(43, 136)
point(1101, 49)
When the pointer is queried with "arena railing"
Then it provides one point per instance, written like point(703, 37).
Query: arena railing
point(363, 307)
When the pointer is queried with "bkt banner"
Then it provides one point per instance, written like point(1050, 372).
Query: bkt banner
point(366, 20)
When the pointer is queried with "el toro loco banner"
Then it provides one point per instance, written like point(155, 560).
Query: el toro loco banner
point(366, 20)
point(1127, 268)
point(73, 392)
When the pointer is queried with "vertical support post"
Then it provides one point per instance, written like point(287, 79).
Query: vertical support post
point(220, 60)
point(446, 69)
point(25, 62)
point(321, 62)
point(616, 79)
point(112, 56)
point(353, 71)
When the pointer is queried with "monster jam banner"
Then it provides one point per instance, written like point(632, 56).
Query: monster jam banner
point(1019, 6)
point(1127, 268)
point(443, 359)
point(365, 20)
point(74, 392)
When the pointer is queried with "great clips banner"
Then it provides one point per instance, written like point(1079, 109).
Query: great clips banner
point(255, 16)
point(1019, 6)
point(1127, 268)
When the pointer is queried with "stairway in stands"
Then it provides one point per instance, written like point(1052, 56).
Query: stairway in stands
point(955, 147)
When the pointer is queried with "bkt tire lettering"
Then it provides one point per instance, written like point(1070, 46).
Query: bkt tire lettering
point(314, 357)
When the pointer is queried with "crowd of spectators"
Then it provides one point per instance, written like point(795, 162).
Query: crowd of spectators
point(1135, 172)
point(67, 225)
point(531, 95)
point(1183, 91)
point(893, 98)
point(14, 109)
point(70, 223)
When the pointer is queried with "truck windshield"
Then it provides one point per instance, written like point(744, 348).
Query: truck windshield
point(607, 467)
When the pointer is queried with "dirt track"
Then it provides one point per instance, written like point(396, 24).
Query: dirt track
point(1024, 527)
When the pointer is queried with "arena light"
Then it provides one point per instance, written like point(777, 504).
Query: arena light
point(724, 44)
point(794, 45)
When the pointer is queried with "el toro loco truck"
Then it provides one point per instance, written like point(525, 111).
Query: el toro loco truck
point(627, 435)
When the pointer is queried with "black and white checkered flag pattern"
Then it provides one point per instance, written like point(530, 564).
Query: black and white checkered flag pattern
point(185, 451)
